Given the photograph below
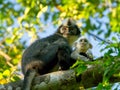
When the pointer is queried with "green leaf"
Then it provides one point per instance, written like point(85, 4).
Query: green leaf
point(6, 73)
point(1, 76)
point(9, 41)
point(15, 78)
point(27, 10)
point(80, 69)
point(114, 39)
point(75, 64)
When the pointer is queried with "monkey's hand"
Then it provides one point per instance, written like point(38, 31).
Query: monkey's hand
point(90, 55)
point(76, 56)
point(80, 57)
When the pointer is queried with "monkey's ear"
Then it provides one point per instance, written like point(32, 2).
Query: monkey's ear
point(90, 45)
point(59, 29)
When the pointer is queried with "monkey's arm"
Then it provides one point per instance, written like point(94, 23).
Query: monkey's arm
point(75, 55)
point(90, 54)
point(64, 57)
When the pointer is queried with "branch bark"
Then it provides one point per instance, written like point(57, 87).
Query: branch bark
point(8, 58)
point(64, 80)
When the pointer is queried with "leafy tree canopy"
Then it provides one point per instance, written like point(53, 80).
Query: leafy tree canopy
point(21, 21)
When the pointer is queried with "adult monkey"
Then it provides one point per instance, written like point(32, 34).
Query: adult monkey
point(45, 54)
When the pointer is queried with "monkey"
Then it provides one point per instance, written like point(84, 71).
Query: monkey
point(43, 55)
point(82, 50)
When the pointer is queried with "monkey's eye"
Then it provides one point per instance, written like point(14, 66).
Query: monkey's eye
point(81, 40)
point(85, 40)
point(64, 27)
point(72, 30)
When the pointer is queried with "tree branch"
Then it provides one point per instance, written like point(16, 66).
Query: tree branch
point(8, 58)
point(65, 80)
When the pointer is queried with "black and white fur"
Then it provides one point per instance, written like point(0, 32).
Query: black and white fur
point(43, 55)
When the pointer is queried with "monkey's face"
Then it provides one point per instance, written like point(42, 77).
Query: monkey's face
point(69, 29)
point(83, 45)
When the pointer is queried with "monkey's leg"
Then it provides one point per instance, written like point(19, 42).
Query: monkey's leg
point(30, 74)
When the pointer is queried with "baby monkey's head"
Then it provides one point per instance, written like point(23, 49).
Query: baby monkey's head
point(82, 44)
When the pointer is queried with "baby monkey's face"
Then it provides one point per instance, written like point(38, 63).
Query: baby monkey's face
point(83, 45)
point(83, 42)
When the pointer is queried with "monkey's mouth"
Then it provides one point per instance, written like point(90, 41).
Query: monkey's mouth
point(83, 45)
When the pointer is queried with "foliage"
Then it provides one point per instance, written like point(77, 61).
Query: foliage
point(22, 21)
point(110, 63)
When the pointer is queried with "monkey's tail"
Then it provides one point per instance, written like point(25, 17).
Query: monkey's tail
point(28, 78)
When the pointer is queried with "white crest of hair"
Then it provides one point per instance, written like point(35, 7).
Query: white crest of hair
point(82, 37)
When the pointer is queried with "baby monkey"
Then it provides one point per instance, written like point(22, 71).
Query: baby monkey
point(82, 50)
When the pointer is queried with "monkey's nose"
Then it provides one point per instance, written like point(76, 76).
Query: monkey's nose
point(82, 42)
